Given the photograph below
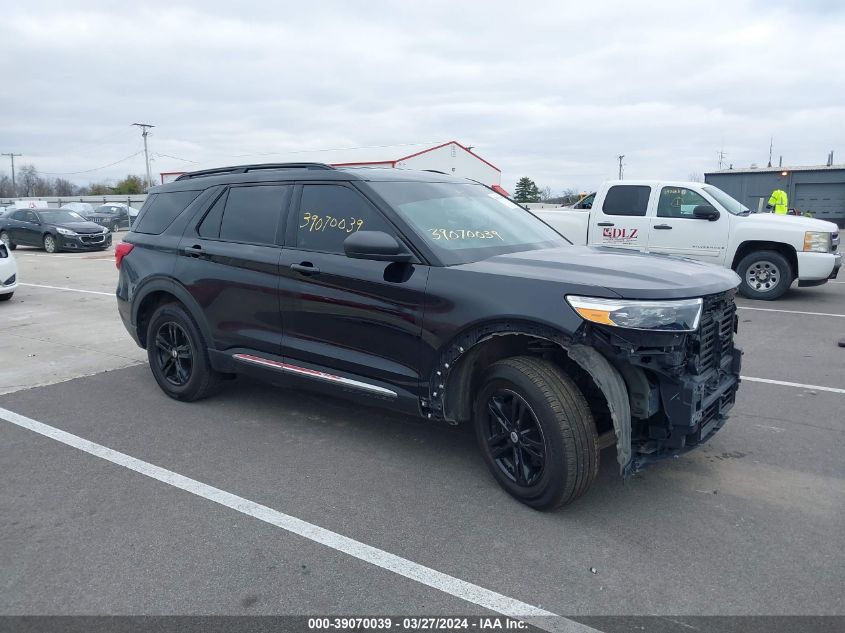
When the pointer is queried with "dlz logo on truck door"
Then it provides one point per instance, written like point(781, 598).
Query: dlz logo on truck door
point(622, 236)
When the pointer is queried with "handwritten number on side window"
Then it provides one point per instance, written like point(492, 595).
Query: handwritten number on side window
point(316, 223)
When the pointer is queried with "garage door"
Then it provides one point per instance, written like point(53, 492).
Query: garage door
point(827, 201)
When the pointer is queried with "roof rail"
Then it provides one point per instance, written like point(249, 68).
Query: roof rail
point(242, 169)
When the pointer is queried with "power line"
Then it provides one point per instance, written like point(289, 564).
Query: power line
point(332, 149)
point(88, 171)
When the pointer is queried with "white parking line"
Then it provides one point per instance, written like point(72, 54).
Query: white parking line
point(90, 292)
point(456, 587)
point(842, 316)
point(783, 383)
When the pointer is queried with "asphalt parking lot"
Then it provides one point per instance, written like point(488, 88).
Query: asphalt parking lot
point(751, 524)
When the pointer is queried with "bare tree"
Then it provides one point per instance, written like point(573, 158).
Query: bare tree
point(545, 193)
point(695, 176)
point(64, 187)
point(27, 179)
point(6, 190)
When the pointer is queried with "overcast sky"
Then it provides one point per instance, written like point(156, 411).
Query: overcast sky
point(554, 91)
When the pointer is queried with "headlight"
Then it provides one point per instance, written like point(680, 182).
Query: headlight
point(105, 230)
point(65, 231)
point(817, 242)
point(663, 316)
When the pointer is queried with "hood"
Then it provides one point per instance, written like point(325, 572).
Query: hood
point(797, 222)
point(627, 274)
point(80, 227)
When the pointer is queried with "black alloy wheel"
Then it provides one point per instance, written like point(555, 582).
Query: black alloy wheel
point(178, 354)
point(174, 354)
point(535, 431)
point(515, 438)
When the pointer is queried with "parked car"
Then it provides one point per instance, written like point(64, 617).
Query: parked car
point(115, 216)
point(434, 296)
point(53, 230)
point(700, 221)
point(82, 208)
point(8, 273)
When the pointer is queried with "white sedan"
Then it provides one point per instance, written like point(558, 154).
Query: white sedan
point(8, 273)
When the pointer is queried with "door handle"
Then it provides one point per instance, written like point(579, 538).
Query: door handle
point(605, 224)
point(193, 251)
point(662, 226)
point(306, 268)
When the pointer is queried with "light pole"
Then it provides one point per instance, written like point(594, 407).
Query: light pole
point(145, 132)
point(620, 157)
point(14, 187)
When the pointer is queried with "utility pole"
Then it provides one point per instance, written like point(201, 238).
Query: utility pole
point(12, 156)
point(145, 132)
point(620, 157)
point(771, 141)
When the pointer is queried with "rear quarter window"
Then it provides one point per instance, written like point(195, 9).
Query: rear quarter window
point(161, 209)
point(626, 200)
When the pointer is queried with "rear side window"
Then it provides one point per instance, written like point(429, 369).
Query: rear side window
point(252, 213)
point(626, 200)
point(161, 209)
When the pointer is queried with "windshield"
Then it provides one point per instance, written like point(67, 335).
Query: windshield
point(108, 210)
point(726, 201)
point(464, 222)
point(60, 216)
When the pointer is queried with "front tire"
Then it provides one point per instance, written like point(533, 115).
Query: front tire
point(536, 432)
point(51, 244)
point(115, 227)
point(4, 237)
point(6, 296)
point(766, 275)
point(178, 355)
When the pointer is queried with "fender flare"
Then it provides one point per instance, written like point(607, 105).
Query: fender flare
point(170, 286)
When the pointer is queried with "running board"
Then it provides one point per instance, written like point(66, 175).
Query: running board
point(313, 373)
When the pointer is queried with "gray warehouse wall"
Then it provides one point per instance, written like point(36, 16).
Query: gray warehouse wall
point(819, 191)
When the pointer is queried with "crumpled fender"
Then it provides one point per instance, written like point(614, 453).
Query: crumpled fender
point(612, 385)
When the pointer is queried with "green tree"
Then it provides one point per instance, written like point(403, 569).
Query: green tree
point(99, 189)
point(526, 190)
point(130, 184)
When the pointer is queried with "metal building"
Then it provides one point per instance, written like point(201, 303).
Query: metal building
point(819, 189)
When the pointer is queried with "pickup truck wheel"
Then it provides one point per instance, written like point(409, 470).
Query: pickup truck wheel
point(536, 432)
point(766, 275)
point(178, 355)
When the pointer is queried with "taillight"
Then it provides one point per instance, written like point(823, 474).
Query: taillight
point(121, 251)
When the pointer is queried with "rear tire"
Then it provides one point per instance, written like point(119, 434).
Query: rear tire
point(536, 432)
point(178, 355)
point(4, 237)
point(766, 275)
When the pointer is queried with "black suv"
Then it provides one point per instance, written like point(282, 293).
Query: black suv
point(434, 296)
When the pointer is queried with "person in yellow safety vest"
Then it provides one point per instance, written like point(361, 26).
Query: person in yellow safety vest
point(778, 201)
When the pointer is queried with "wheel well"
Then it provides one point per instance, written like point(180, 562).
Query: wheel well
point(464, 379)
point(784, 249)
point(148, 306)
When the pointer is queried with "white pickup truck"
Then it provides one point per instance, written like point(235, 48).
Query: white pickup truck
point(700, 221)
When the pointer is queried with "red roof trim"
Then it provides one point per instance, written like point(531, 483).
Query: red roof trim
point(431, 149)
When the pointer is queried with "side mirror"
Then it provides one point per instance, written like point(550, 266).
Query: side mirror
point(375, 245)
point(706, 212)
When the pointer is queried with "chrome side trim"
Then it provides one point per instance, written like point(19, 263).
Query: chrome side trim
point(313, 373)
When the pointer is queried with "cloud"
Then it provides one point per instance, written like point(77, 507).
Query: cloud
point(550, 90)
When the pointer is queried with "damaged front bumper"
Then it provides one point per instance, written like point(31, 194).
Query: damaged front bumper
point(681, 385)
